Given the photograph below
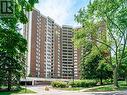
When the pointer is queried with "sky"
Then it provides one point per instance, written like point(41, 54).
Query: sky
point(62, 11)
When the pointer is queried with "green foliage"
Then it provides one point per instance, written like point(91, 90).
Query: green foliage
point(59, 84)
point(12, 60)
point(83, 83)
point(123, 67)
point(12, 44)
point(93, 66)
point(21, 7)
point(76, 83)
point(89, 65)
point(104, 22)
point(104, 70)
point(30, 75)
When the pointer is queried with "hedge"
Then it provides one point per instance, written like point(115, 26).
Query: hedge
point(83, 83)
point(59, 84)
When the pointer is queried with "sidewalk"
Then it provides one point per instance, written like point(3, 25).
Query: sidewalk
point(86, 89)
point(40, 91)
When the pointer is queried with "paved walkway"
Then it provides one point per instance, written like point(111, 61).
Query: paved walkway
point(86, 89)
point(41, 91)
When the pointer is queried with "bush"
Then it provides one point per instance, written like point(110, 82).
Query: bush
point(83, 83)
point(59, 84)
point(46, 88)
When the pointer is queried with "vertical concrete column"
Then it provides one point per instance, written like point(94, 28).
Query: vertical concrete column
point(32, 82)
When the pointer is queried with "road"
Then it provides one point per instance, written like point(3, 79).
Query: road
point(41, 91)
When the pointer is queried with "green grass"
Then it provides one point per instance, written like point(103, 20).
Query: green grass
point(103, 88)
point(122, 85)
point(71, 89)
point(21, 91)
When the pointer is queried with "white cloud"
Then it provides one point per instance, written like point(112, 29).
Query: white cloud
point(59, 10)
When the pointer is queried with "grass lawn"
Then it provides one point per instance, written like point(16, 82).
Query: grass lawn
point(71, 89)
point(102, 88)
point(22, 91)
point(122, 85)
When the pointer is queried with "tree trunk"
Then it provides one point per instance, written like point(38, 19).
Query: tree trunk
point(9, 80)
point(101, 82)
point(115, 76)
point(126, 79)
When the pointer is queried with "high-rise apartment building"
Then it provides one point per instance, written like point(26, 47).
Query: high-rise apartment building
point(35, 32)
point(78, 52)
point(67, 70)
point(77, 59)
point(43, 36)
point(51, 52)
point(56, 52)
point(49, 46)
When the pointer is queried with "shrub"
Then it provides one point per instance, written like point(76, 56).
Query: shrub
point(46, 88)
point(83, 83)
point(59, 84)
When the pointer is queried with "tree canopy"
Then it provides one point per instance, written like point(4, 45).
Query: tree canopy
point(13, 46)
point(104, 22)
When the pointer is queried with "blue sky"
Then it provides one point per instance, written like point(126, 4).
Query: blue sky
point(62, 11)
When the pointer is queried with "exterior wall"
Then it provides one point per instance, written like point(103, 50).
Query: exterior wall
point(77, 59)
point(102, 34)
point(78, 52)
point(51, 52)
point(43, 37)
point(27, 35)
point(48, 42)
point(34, 32)
point(67, 53)
point(42, 47)
point(33, 44)
point(55, 72)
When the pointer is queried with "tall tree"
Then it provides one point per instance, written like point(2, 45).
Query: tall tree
point(123, 68)
point(111, 14)
point(12, 44)
point(93, 66)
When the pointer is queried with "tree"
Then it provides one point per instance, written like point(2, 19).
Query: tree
point(93, 66)
point(12, 47)
point(12, 44)
point(123, 68)
point(108, 18)
point(104, 71)
point(89, 65)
